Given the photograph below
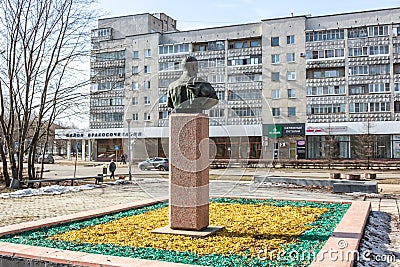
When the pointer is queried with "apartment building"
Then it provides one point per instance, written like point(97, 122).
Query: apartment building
point(292, 87)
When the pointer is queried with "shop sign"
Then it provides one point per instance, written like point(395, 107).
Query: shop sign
point(301, 149)
point(96, 134)
point(331, 129)
point(275, 131)
point(293, 129)
point(287, 129)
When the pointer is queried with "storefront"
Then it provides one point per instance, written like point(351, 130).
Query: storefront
point(226, 142)
point(353, 140)
point(284, 141)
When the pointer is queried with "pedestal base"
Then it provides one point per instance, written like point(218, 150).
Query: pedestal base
point(202, 233)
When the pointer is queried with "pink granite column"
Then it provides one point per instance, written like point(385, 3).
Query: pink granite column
point(189, 171)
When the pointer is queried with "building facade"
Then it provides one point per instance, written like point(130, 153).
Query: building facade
point(289, 88)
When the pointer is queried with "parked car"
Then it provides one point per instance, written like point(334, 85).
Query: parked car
point(153, 163)
point(164, 166)
point(46, 159)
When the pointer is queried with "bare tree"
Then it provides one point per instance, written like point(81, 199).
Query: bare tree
point(364, 143)
point(43, 43)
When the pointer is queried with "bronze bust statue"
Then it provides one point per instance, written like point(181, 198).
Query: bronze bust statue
point(190, 94)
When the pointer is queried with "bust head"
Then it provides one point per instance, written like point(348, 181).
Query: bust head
point(190, 65)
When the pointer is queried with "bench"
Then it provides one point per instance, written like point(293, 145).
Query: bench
point(98, 179)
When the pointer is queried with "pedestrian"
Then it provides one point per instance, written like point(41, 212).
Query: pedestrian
point(123, 159)
point(112, 168)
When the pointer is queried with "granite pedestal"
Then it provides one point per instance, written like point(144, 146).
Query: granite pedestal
point(189, 171)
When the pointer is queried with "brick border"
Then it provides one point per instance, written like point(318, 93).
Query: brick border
point(343, 243)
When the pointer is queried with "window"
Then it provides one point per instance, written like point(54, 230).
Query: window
point(216, 78)
point(379, 88)
point(379, 107)
point(396, 106)
point(276, 112)
point(116, 101)
point(379, 50)
point(357, 89)
point(326, 108)
point(146, 116)
point(255, 43)
point(331, 73)
point(162, 99)
point(290, 57)
point(291, 75)
point(216, 45)
point(171, 49)
point(244, 94)
point(275, 59)
point(325, 35)
point(135, 54)
point(275, 76)
point(163, 115)
point(358, 51)
point(357, 32)
point(358, 107)
point(291, 93)
point(290, 39)
point(216, 113)
point(135, 85)
point(274, 41)
point(378, 31)
point(397, 88)
point(135, 70)
point(275, 94)
point(326, 90)
point(358, 70)
point(110, 85)
point(147, 85)
point(135, 116)
point(147, 53)
point(245, 112)
point(221, 95)
point(146, 100)
point(233, 61)
point(291, 111)
point(106, 56)
point(135, 101)
point(396, 48)
point(379, 69)
point(146, 69)
point(238, 45)
point(251, 77)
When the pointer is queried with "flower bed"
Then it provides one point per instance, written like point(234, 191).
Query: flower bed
point(257, 233)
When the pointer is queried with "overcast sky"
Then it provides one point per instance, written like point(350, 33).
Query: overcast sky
point(207, 13)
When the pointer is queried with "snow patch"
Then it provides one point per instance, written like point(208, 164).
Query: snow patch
point(48, 190)
point(375, 249)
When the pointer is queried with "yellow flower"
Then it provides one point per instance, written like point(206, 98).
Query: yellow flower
point(249, 229)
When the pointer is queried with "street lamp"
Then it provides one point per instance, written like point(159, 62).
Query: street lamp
point(129, 148)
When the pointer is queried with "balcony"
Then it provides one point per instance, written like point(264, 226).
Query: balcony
point(245, 86)
point(209, 54)
point(325, 63)
point(369, 60)
point(363, 79)
point(107, 64)
point(244, 121)
point(245, 51)
point(379, 116)
point(326, 81)
point(239, 69)
point(332, 117)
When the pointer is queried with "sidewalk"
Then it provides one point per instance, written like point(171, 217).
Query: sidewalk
point(17, 210)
